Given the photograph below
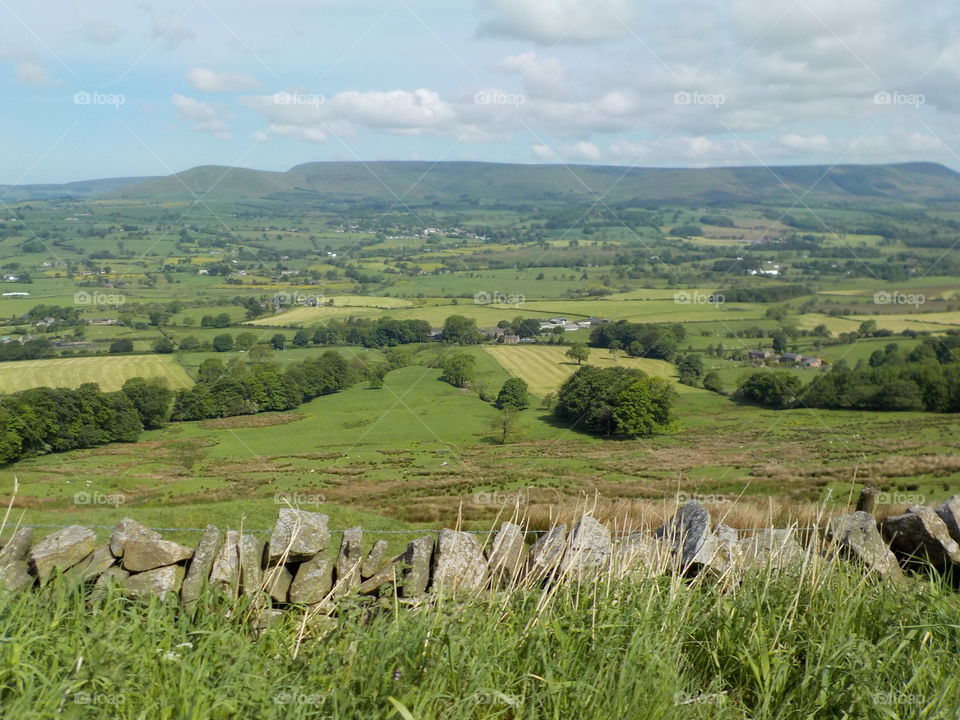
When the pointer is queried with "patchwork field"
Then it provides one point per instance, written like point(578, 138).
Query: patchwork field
point(545, 367)
point(109, 372)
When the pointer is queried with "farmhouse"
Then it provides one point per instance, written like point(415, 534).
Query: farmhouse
point(812, 362)
point(790, 358)
point(760, 354)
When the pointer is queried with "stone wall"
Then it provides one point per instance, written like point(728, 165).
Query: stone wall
point(297, 564)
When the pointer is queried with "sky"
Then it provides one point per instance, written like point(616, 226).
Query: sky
point(117, 88)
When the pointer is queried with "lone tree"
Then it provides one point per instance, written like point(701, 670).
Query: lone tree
point(514, 394)
point(504, 427)
point(578, 352)
point(458, 369)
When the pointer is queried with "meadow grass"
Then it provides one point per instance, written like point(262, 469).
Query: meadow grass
point(108, 372)
point(824, 641)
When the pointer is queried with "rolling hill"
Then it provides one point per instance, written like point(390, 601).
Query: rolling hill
point(427, 183)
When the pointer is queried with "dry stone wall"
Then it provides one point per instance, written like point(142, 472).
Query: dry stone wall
point(298, 565)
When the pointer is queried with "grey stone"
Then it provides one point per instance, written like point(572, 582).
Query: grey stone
point(349, 561)
point(460, 565)
point(588, 551)
point(508, 555)
point(377, 560)
point(313, 581)
point(299, 535)
point(141, 555)
point(225, 573)
point(725, 533)
point(640, 555)
point(546, 553)
point(416, 561)
point(159, 581)
point(198, 571)
point(15, 575)
point(17, 547)
point(250, 554)
point(129, 529)
point(62, 549)
point(385, 578)
point(92, 566)
point(857, 538)
point(949, 512)
point(688, 533)
point(920, 536)
point(277, 581)
point(774, 549)
point(114, 575)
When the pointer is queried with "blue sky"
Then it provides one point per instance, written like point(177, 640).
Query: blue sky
point(117, 88)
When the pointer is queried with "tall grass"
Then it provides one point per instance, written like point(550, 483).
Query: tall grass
point(824, 642)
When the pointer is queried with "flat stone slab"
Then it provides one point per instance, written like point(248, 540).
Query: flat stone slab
point(92, 566)
point(313, 581)
point(377, 560)
point(508, 555)
point(546, 553)
point(250, 552)
point(949, 512)
point(416, 561)
point(775, 549)
point(349, 561)
point(920, 536)
point(299, 535)
point(689, 535)
point(460, 566)
point(159, 582)
point(15, 575)
point(130, 529)
point(198, 571)
point(141, 555)
point(858, 539)
point(588, 552)
point(277, 582)
point(62, 549)
point(225, 573)
point(17, 547)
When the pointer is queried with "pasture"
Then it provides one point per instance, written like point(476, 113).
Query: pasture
point(110, 373)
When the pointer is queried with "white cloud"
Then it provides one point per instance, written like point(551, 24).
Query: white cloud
point(582, 151)
point(203, 117)
point(208, 80)
point(34, 74)
point(543, 152)
point(559, 21)
point(168, 30)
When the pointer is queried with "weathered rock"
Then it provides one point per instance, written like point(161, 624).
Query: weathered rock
point(17, 547)
point(198, 571)
point(225, 573)
point(250, 554)
point(277, 581)
point(640, 555)
point(129, 529)
point(920, 536)
point(384, 579)
point(92, 566)
point(313, 581)
point(15, 575)
point(688, 533)
point(508, 555)
point(460, 566)
point(589, 550)
point(725, 533)
point(158, 581)
point(62, 549)
point(416, 561)
point(299, 535)
point(114, 575)
point(546, 553)
point(377, 560)
point(857, 538)
point(774, 549)
point(949, 512)
point(141, 555)
point(349, 561)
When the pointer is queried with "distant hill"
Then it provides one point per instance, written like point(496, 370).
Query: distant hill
point(74, 190)
point(426, 183)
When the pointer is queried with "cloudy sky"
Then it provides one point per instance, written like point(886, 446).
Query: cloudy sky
point(110, 88)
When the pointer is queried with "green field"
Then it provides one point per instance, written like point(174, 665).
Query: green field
point(108, 372)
